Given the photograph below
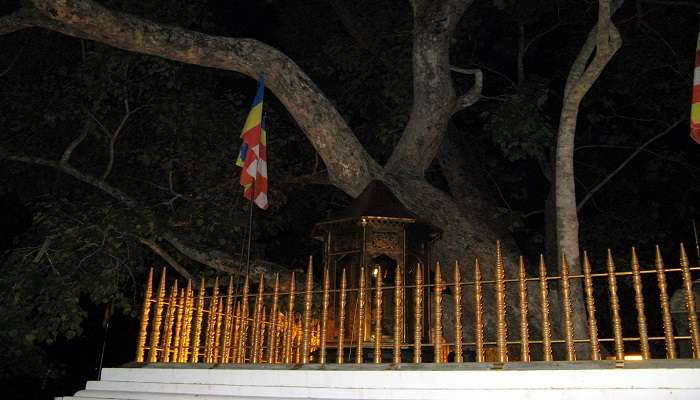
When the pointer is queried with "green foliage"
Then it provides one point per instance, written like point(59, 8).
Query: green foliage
point(519, 124)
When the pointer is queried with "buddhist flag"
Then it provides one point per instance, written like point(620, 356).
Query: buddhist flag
point(252, 157)
point(695, 110)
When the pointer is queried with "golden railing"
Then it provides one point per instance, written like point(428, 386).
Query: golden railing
point(206, 326)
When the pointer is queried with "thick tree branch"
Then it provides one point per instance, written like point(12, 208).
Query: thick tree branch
point(156, 248)
point(350, 166)
point(224, 262)
point(434, 98)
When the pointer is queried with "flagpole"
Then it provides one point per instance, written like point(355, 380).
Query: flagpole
point(250, 237)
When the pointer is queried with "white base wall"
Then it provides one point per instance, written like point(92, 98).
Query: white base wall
point(585, 380)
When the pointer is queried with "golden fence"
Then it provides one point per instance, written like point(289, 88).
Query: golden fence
point(184, 326)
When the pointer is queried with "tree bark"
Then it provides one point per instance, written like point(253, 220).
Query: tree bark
point(605, 40)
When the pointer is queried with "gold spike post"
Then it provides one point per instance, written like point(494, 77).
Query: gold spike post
point(308, 297)
point(590, 307)
point(361, 317)
point(178, 326)
point(458, 314)
point(236, 333)
point(501, 327)
point(168, 327)
point(418, 316)
point(665, 306)
point(568, 312)
point(522, 291)
point(257, 320)
point(261, 336)
point(398, 314)
point(297, 341)
point(438, 314)
point(639, 302)
point(199, 316)
point(378, 318)
point(341, 317)
point(325, 303)
point(228, 322)
point(690, 303)
point(145, 311)
point(290, 324)
point(187, 323)
point(271, 345)
point(186, 320)
point(615, 309)
point(216, 349)
point(544, 304)
point(157, 319)
point(211, 323)
point(243, 324)
point(478, 314)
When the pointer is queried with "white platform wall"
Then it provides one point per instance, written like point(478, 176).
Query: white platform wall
point(598, 381)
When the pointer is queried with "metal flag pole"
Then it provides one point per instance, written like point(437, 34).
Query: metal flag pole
point(250, 236)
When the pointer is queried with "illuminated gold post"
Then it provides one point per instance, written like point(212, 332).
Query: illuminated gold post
point(157, 319)
point(261, 336)
point(168, 327)
point(178, 326)
point(184, 334)
point(438, 314)
point(209, 334)
point(187, 323)
point(361, 317)
point(217, 331)
point(418, 316)
point(236, 333)
point(501, 328)
point(243, 323)
point(690, 304)
point(568, 312)
point(341, 317)
point(639, 302)
point(398, 314)
point(324, 315)
point(308, 296)
point(522, 290)
point(665, 307)
point(228, 322)
point(257, 321)
point(544, 304)
point(590, 306)
point(297, 342)
point(290, 324)
point(143, 329)
point(194, 354)
point(271, 345)
point(615, 309)
point(378, 318)
point(478, 314)
point(458, 314)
